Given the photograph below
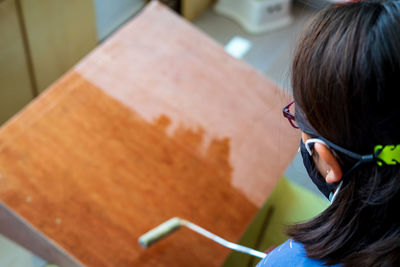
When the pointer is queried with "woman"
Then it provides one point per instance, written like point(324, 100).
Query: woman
point(346, 87)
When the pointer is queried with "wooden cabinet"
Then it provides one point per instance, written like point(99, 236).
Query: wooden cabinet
point(191, 9)
point(40, 41)
point(15, 84)
point(59, 34)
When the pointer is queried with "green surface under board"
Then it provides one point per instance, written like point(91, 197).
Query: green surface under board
point(289, 203)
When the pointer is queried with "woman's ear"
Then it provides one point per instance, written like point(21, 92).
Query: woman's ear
point(334, 173)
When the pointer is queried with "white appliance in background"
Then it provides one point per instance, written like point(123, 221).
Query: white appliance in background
point(256, 16)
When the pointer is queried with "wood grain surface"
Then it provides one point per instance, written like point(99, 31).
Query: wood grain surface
point(157, 122)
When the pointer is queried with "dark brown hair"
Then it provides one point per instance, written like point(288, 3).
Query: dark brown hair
point(346, 79)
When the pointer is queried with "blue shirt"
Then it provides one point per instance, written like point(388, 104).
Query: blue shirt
point(290, 254)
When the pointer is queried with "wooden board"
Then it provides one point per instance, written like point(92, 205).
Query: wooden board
point(157, 122)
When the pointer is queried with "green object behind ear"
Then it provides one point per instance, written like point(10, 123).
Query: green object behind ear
point(390, 154)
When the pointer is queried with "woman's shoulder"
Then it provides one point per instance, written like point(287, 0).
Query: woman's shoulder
point(290, 253)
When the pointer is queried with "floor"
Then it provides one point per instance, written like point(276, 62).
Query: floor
point(13, 255)
point(270, 54)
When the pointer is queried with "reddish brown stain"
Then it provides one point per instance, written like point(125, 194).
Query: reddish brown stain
point(98, 176)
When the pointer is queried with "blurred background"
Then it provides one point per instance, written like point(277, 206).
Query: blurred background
point(42, 39)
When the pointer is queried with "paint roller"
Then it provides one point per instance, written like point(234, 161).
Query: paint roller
point(175, 223)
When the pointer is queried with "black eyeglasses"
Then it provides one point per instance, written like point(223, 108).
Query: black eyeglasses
point(289, 115)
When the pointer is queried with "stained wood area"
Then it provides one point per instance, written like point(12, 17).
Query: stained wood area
point(157, 122)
